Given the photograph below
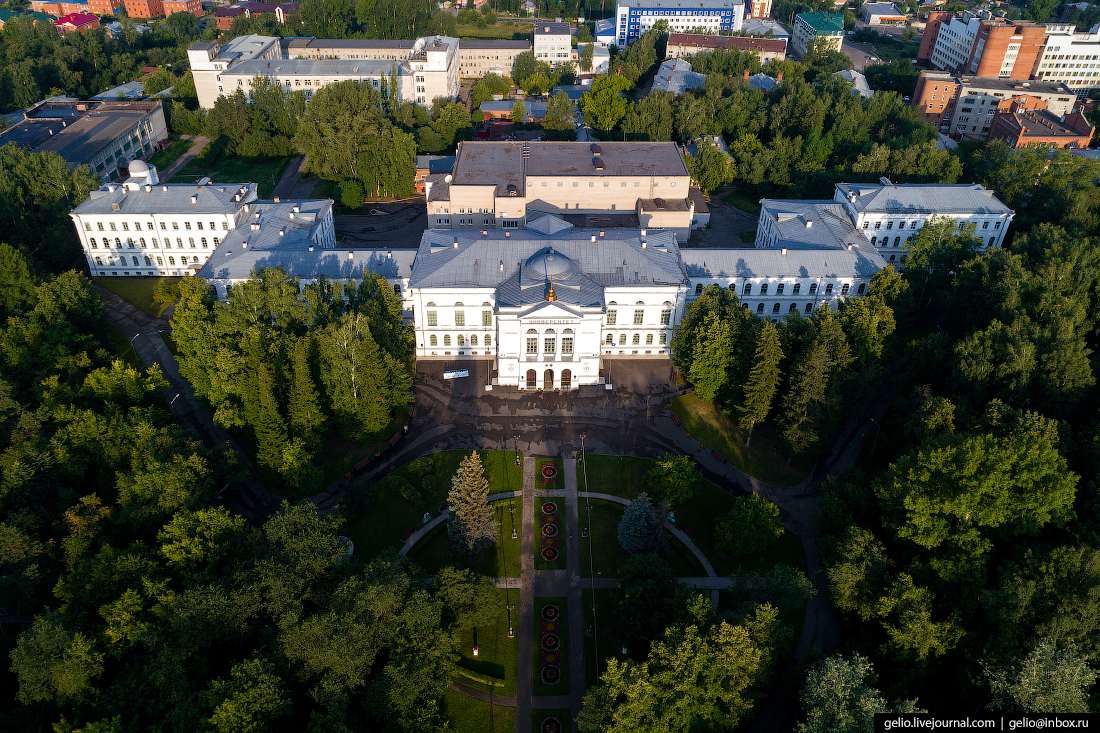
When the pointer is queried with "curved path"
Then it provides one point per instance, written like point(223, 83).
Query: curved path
point(425, 529)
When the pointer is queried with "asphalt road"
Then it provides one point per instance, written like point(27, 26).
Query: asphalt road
point(401, 227)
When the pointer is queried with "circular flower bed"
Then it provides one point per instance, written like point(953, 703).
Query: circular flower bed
point(549, 472)
point(549, 507)
point(551, 657)
point(549, 530)
point(549, 554)
point(550, 611)
point(550, 642)
point(550, 725)
point(550, 674)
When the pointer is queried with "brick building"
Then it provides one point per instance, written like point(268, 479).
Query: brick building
point(76, 22)
point(689, 44)
point(183, 6)
point(980, 44)
point(91, 7)
point(144, 8)
point(1025, 122)
point(963, 107)
point(224, 17)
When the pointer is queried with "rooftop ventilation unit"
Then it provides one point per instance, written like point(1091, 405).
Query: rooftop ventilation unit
point(114, 207)
point(784, 251)
point(351, 255)
point(598, 163)
point(255, 226)
point(194, 199)
point(809, 223)
point(311, 248)
point(596, 149)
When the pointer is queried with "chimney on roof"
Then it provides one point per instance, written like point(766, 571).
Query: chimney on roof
point(255, 226)
point(294, 209)
point(148, 188)
point(644, 245)
point(455, 246)
point(784, 251)
point(276, 199)
point(311, 248)
point(194, 199)
point(849, 246)
point(484, 232)
point(746, 74)
point(601, 234)
point(282, 231)
point(593, 239)
point(502, 265)
point(809, 223)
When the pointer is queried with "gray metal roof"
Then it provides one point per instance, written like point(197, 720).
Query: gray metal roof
point(546, 28)
point(861, 262)
point(830, 226)
point(171, 198)
point(617, 258)
point(316, 67)
point(245, 250)
point(435, 163)
point(489, 45)
point(676, 76)
point(923, 198)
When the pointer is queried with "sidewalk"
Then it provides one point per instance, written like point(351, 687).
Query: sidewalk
point(200, 143)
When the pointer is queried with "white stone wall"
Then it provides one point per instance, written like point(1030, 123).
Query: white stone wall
point(553, 48)
point(775, 297)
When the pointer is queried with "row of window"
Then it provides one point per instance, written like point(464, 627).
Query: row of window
point(639, 317)
point(795, 290)
point(636, 339)
point(149, 226)
point(549, 346)
point(460, 318)
point(622, 184)
point(148, 261)
point(914, 223)
point(433, 339)
point(141, 240)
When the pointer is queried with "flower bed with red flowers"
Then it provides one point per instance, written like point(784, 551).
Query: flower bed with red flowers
point(549, 551)
point(551, 657)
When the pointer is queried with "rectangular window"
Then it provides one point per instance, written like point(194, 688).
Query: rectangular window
point(187, 225)
point(666, 317)
point(612, 317)
point(532, 346)
point(486, 318)
point(548, 345)
point(567, 345)
point(433, 319)
point(460, 318)
point(638, 315)
point(488, 340)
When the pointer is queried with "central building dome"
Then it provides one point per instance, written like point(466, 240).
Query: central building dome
point(546, 263)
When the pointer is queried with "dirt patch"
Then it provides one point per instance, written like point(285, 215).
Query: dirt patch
point(726, 225)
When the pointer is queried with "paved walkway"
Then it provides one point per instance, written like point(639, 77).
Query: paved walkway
point(290, 185)
point(525, 645)
point(506, 702)
point(200, 143)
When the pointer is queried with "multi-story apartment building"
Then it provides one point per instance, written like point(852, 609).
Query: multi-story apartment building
point(635, 17)
point(824, 28)
point(100, 135)
point(760, 9)
point(689, 44)
point(144, 8)
point(963, 106)
point(224, 17)
point(422, 70)
point(979, 44)
point(1072, 58)
point(551, 43)
point(476, 58)
point(501, 185)
point(194, 7)
point(65, 7)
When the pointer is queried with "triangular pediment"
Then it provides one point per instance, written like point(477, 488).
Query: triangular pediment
point(549, 310)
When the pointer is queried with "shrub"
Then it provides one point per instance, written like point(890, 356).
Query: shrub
point(351, 194)
point(359, 498)
point(427, 483)
point(166, 291)
point(752, 525)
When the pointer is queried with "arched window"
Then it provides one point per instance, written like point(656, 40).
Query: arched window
point(179, 243)
point(98, 261)
point(135, 259)
point(860, 290)
point(698, 286)
point(663, 337)
point(775, 308)
point(874, 240)
point(531, 330)
point(433, 340)
point(779, 289)
point(148, 261)
point(747, 289)
point(216, 241)
point(610, 340)
point(828, 288)
point(92, 242)
point(550, 330)
point(160, 260)
point(733, 287)
point(461, 339)
point(129, 243)
point(118, 242)
point(143, 241)
point(172, 261)
point(796, 288)
point(155, 243)
point(793, 308)
point(637, 339)
point(809, 307)
point(183, 260)
point(760, 308)
point(488, 340)
point(473, 339)
point(204, 244)
point(191, 241)
point(897, 241)
point(447, 339)
point(622, 339)
point(844, 289)
point(813, 288)
point(648, 339)
point(992, 240)
point(763, 288)
point(892, 257)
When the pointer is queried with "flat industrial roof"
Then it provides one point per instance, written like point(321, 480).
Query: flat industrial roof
point(699, 40)
point(79, 139)
point(1024, 86)
point(314, 67)
point(349, 43)
point(170, 198)
point(546, 28)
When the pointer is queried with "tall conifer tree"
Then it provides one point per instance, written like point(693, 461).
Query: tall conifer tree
point(473, 525)
point(763, 379)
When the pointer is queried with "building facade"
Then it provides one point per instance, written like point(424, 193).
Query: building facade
point(76, 22)
point(760, 9)
point(882, 14)
point(552, 42)
point(478, 58)
point(635, 17)
point(100, 135)
point(91, 7)
point(194, 7)
point(981, 45)
point(144, 8)
point(422, 70)
point(503, 185)
point(1071, 58)
point(963, 107)
point(1024, 122)
point(825, 28)
point(688, 44)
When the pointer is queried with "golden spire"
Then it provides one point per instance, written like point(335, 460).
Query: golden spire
point(550, 295)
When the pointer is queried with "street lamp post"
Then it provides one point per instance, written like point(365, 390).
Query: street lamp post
point(516, 441)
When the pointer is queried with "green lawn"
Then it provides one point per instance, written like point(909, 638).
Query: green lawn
point(496, 652)
point(747, 237)
point(467, 715)
point(558, 483)
point(382, 526)
point(538, 716)
point(502, 561)
point(615, 475)
point(171, 154)
point(265, 173)
point(324, 190)
point(558, 564)
point(744, 202)
point(606, 640)
point(606, 555)
point(562, 686)
point(120, 344)
point(763, 460)
point(340, 454)
point(138, 290)
point(512, 32)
